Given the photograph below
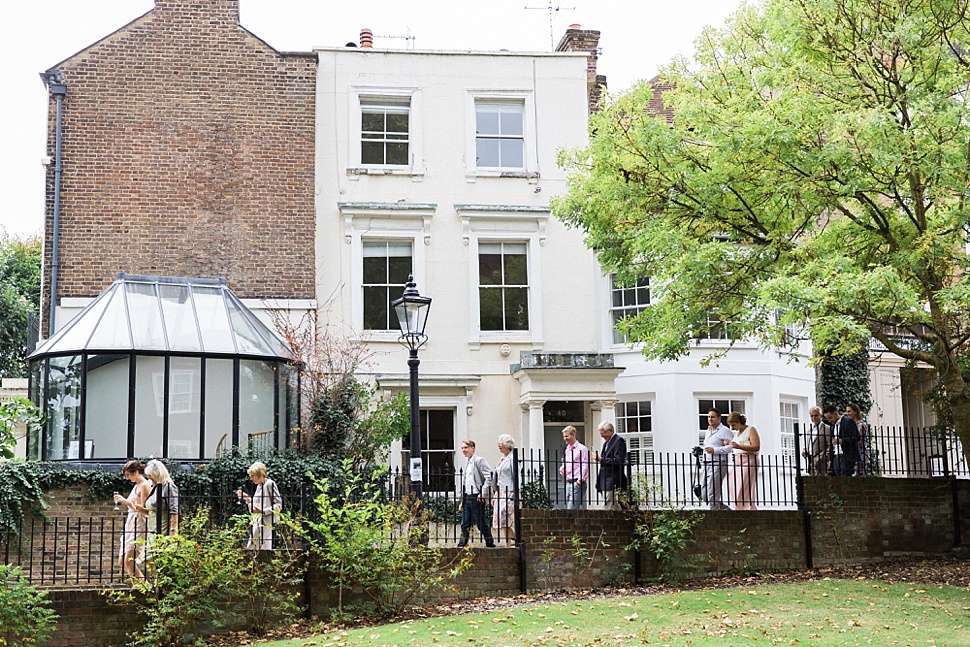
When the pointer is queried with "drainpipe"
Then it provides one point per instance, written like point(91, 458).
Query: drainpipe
point(58, 89)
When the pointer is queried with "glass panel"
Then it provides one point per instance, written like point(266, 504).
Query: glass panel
point(78, 331)
point(180, 324)
point(256, 394)
point(35, 384)
point(486, 120)
point(487, 152)
point(490, 309)
point(397, 153)
point(218, 406)
point(511, 153)
point(149, 403)
point(372, 152)
point(63, 408)
point(397, 122)
point(372, 122)
point(106, 406)
point(248, 339)
point(213, 320)
point(113, 331)
point(511, 121)
point(286, 374)
point(489, 268)
point(184, 401)
point(145, 316)
point(376, 309)
point(516, 272)
point(516, 308)
point(398, 269)
point(375, 269)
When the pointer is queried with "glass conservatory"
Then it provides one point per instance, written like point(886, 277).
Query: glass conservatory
point(163, 367)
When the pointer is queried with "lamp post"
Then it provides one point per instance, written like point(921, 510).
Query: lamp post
point(412, 315)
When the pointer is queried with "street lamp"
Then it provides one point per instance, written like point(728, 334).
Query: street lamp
point(412, 314)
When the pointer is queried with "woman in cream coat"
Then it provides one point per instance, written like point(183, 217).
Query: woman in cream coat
point(503, 492)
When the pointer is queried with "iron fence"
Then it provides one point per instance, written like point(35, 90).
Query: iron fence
point(75, 551)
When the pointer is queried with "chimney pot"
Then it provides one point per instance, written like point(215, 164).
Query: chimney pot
point(366, 38)
point(575, 26)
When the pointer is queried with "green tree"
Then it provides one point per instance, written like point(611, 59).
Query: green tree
point(829, 141)
point(20, 262)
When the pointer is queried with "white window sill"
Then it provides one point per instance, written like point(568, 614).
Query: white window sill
point(532, 176)
point(355, 173)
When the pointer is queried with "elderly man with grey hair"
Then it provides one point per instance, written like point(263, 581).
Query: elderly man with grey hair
point(611, 480)
point(818, 449)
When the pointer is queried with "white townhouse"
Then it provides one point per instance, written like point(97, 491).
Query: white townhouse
point(441, 164)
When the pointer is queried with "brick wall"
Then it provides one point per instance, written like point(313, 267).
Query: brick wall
point(852, 521)
point(87, 620)
point(188, 149)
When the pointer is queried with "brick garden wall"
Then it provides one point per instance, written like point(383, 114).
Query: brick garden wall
point(188, 150)
point(852, 521)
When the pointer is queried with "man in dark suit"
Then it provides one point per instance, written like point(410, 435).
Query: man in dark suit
point(611, 480)
point(845, 441)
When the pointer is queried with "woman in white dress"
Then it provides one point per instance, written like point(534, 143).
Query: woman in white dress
point(503, 492)
point(265, 505)
point(136, 522)
point(744, 466)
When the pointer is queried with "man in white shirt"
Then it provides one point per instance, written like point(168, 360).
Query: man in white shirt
point(716, 449)
point(476, 483)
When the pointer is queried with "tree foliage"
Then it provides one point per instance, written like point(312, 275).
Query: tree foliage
point(20, 262)
point(829, 141)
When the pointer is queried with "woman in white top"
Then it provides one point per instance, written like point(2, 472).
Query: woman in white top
point(744, 466)
point(265, 505)
point(136, 522)
point(503, 493)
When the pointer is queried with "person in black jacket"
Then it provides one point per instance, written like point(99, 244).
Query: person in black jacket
point(845, 441)
point(611, 480)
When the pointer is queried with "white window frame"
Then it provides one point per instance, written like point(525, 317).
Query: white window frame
point(359, 95)
point(635, 308)
point(365, 239)
point(789, 419)
point(645, 439)
point(180, 389)
point(505, 249)
point(497, 224)
point(530, 168)
point(731, 398)
point(387, 222)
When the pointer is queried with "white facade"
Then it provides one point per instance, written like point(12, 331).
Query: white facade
point(415, 187)
point(434, 163)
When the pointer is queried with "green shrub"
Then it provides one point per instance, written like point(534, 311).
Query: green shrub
point(666, 532)
point(26, 617)
point(202, 580)
point(367, 543)
point(535, 496)
point(20, 487)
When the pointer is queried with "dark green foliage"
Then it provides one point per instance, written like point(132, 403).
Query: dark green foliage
point(26, 617)
point(20, 261)
point(349, 420)
point(845, 379)
point(20, 487)
point(440, 509)
point(535, 496)
point(13, 412)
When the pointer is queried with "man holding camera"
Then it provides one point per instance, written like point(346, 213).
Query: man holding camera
point(716, 449)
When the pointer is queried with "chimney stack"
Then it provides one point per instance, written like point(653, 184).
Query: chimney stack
point(366, 38)
point(577, 39)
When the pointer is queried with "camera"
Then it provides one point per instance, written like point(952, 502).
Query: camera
point(697, 451)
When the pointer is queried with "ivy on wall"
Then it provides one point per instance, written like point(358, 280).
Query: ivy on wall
point(843, 379)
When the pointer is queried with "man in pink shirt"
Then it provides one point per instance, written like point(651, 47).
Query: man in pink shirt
point(575, 469)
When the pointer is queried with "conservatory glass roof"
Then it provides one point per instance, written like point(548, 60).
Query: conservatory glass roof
point(166, 314)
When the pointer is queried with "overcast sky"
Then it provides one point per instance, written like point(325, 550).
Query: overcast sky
point(637, 38)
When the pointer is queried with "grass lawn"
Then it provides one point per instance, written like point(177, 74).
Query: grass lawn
point(808, 614)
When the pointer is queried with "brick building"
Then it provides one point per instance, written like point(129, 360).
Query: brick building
point(187, 149)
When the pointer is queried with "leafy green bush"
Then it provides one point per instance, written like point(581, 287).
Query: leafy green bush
point(665, 531)
point(12, 412)
point(368, 543)
point(26, 617)
point(535, 496)
point(202, 580)
point(441, 509)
